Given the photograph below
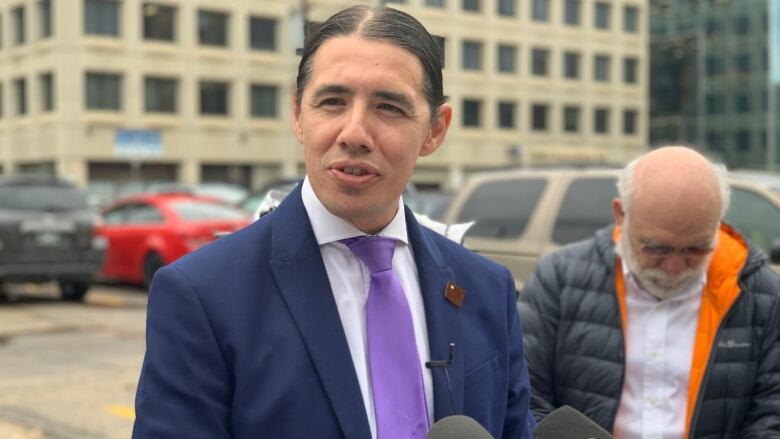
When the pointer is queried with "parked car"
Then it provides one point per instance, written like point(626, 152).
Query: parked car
point(523, 214)
point(146, 232)
point(47, 234)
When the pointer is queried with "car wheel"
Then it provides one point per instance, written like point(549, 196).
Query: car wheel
point(73, 291)
point(152, 263)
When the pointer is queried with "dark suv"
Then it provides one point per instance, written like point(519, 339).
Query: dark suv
point(46, 234)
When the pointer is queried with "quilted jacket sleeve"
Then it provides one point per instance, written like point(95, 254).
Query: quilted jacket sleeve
point(539, 310)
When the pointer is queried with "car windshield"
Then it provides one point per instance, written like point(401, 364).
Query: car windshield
point(41, 198)
point(196, 210)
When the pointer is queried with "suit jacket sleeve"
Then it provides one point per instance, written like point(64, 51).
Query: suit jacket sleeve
point(520, 421)
point(539, 309)
point(185, 387)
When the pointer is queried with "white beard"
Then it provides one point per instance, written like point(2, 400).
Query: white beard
point(653, 280)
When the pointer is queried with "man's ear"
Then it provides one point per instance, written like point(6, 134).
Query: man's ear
point(438, 130)
point(297, 128)
point(617, 211)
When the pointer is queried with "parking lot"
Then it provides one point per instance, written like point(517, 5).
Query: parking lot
point(70, 370)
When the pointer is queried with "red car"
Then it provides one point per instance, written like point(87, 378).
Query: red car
point(146, 232)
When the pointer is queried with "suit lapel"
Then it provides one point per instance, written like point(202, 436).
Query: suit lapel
point(300, 274)
point(443, 320)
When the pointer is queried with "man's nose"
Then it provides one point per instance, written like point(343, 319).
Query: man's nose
point(674, 263)
point(356, 130)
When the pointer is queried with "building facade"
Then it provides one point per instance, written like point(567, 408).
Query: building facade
point(712, 82)
point(116, 93)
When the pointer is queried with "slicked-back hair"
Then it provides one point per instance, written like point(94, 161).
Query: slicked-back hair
point(380, 24)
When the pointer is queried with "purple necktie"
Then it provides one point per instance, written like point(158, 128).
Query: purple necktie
point(396, 376)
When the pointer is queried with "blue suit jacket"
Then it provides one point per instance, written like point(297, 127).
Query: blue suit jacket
point(244, 340)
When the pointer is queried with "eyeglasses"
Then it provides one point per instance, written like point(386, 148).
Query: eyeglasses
point(659, 250)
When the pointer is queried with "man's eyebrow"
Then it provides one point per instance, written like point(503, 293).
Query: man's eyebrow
point(331, 89)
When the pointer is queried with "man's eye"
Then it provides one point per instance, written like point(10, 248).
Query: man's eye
point(330, 102)
point(389, 107)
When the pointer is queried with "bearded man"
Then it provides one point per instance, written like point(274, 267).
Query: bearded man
point(665, 325)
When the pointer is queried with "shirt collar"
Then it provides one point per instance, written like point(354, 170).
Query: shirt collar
point(329, 228)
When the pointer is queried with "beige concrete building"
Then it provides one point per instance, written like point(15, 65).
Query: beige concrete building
point(111, 92)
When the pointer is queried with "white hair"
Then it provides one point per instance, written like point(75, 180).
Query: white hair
point(625, 185)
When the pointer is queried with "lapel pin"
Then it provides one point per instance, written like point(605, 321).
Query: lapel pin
point(454, 294)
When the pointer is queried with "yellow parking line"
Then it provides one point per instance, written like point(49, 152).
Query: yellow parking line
point(122, 411)
point(102, 299)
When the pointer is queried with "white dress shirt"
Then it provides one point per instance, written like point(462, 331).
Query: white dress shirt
point(659, 351)
point(349, 280)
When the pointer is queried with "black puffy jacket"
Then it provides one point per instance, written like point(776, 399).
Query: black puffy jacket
point(574, 344)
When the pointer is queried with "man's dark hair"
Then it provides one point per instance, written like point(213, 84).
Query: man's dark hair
point(386, 25)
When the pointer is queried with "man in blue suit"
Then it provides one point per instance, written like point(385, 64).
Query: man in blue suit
point(338, 315)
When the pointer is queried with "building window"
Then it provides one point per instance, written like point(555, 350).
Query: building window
point(44, 17)
point(714, 27)
point(630, 70)
point(264, 101)
point(214, 98)
point(47, 92)
point(20, 89)
point(506, 8)
point(742, 63)
point(629, 121)
point(472, 110)
point(160, 95)
point(539, 117)
point(742, 103)
point(631, 19)
point(212, 28)
point(571, 65)
point(103, 91)
point(540, 10)
point(742, 25)
point(601, 120)
point(159, 22)
point(714, 66)
point(743, 140)
point(601, 67)
point(507, 58)
point(506, 115)
point(262, 33)
point(716, 104)
point(20, 31)
point(571, 12)
point(434, 3)
point(571, 119)
point(101, 17)
point(471, 5)
point(601, 18)
point(472, 55)
point(714, 141)
point(539, 59)
point(440, 43)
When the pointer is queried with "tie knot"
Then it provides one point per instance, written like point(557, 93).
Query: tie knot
point(375, 251)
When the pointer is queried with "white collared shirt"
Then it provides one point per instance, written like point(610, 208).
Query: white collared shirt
point(349, 280)
point(659, 350)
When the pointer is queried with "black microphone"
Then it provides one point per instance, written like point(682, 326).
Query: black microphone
point(568, 423)
point(443, 364)
point(458, 427)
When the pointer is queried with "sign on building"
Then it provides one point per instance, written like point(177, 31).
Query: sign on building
point(138, 143)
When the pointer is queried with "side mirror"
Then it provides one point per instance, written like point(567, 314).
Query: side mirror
point(774, 252)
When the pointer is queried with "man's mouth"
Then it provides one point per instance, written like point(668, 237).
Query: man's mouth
point(351, 170)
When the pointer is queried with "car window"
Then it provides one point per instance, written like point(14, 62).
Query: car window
point(195, 210)
point(144, 214)
point(586, 208)
point(116, 215)
point(42, 198)
point(754, 216)
point(502, 209)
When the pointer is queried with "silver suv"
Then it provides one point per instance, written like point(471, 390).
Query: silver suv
point(523, 214)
